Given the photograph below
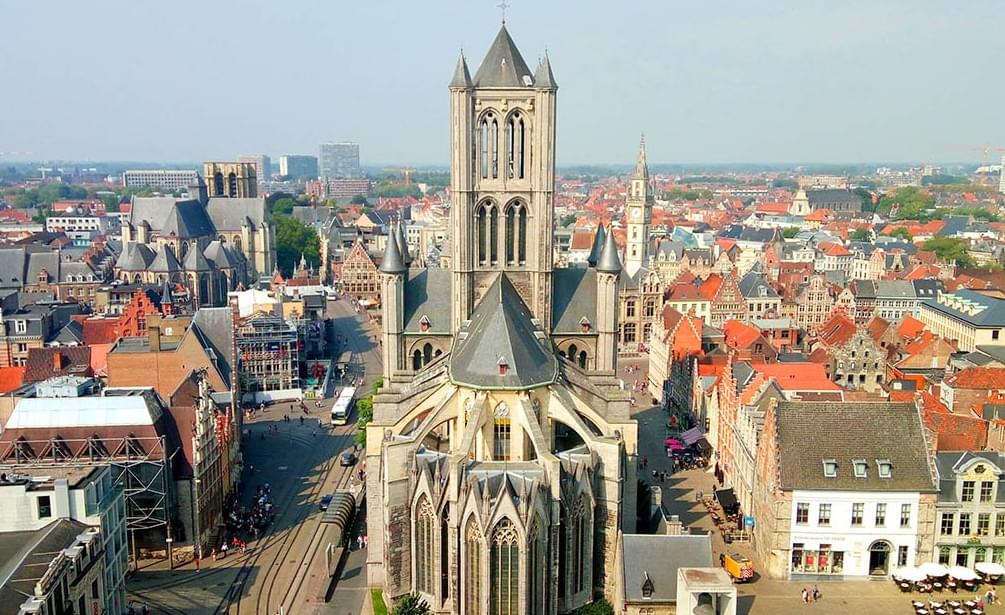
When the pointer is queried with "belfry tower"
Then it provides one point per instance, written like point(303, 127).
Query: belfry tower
point(502, 171)
point(639, 210)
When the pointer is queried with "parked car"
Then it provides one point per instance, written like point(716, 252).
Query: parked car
point(326, 501)
point(348, 459)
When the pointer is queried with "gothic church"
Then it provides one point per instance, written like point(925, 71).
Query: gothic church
point(502, 455)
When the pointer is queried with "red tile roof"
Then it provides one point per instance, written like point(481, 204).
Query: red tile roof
point(833, 249)
point(11, 378)
point(877, 327)
point(100, 330)
point(978, 378)
point(739, 335)
point(797, 376)
point(910, 327)
point(44, 363)
point(837, 330)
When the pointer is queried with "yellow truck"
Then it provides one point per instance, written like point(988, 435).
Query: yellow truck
point(737, 566)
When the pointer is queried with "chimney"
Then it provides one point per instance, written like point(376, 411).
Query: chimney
point(154, 336)
point(57, 361)
point(674, 526)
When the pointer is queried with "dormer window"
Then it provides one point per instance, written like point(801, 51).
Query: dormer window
point(424, 323)
point(503, 366)
point(884, 467)
point(584, 324)
point(861, 467)
point(830, 468)
point(647, 586)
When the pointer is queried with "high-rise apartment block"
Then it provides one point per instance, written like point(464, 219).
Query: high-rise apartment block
point(232, 179)
point(339, 160)
point(298, 167)
point(167, 179)
point(263, 164)
point(1001, 177)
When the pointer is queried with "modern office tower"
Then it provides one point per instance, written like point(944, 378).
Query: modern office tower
point(232, 179)
point(263, 164)
point(298, 167)
point(339, 160)
point(168, 179)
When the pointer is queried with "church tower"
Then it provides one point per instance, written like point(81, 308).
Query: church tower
point(502, 171)
point(639, 210)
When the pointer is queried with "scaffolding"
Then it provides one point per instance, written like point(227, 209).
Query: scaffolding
point(140, 464)
point(268, 351)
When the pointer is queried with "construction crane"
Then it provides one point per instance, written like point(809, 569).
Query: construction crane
point(406, 173)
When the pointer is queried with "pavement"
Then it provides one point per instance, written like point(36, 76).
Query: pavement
point(291, 460)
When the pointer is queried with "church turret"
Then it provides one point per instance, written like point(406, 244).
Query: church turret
point(608, 272)
point(639, 210)
point(392, 297)
point(403, 244)
point(598, 245)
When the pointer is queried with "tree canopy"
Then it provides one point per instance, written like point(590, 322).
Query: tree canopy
point(950, 249)
point(294, 238)
point(411, 604)
point(790, 232)
point(911, 203)
point(903, 233)
point(283, 206)
point(861, 234)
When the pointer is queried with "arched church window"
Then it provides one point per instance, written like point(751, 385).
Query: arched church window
point(505, 567)
point(582, 359)
point(581, 549)
point(522, 235)
point(515, 146)
point(218, 183)
point(510, 233)
point(417, 360)
point(521, 156)
point(473, 569)
point(427, 353)
point(485, 147)
point(510, 149)
point(482, 234)
point(537, 566)
point(232, 185)
point(494, 235)
point(495, 148)
point(572, 352)
point(424, 560)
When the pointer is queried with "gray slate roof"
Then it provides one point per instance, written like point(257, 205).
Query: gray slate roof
point(501, 332)
point(822, 198)
point(215, 327)
point(164, 261)
point(598, 245)
point(221, 255)
point(187, 219)
point(27, 557)
point(12, 264)
point(574, 297)
point(229, 214)
point(196, 261)
point(993, 314)
point(427, 293)
point(752, 285)
point(609, 261)
point(37, 261)
point(393, 262)
point(135, 257)
point(659, 558)
point(503, 65)
point(810, 432)
point(462, 77)
point(948, 464)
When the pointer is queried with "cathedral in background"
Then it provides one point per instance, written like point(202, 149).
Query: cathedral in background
point(502, 455)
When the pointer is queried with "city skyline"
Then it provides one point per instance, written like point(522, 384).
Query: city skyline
point(775, 84)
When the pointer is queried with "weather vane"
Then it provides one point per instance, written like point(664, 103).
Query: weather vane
point(502, 5)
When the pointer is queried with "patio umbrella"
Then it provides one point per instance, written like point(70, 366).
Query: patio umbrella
point(962, 573)
point(933, 569)
point(908, 573)
point(990, 568)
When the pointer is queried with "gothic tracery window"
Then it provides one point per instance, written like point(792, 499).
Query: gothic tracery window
point(482, 233)
point(494, 235)
point(515, 146)
point(522, 235)
point(473, 569)
point(494, 143)
point(424, 559)
point(505, 568)
point(537, 567)
point(582, 552)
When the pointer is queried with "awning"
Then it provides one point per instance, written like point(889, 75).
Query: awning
point(691, 435)
point(703, 446)
point(727, 498)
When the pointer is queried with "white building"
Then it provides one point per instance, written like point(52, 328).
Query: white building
point(167, 179)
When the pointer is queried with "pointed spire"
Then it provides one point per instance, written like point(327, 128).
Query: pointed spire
point(462, 78)
point(403, 243)
point(503, 65)
point(598, 245)
point(166, 298)
point(543, 77)
point(641, 166)
point(392, 262)
point(609, 261)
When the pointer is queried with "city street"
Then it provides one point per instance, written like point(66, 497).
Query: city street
point(299, 462)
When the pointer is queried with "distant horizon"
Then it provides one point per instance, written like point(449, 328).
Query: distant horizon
point(901, 80)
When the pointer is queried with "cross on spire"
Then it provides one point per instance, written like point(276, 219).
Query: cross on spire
point(502, 5)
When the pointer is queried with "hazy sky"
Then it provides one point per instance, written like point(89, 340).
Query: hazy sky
point(741, 81)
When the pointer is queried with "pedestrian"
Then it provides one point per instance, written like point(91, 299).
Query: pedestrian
point(806, 596)
point(131, 608)
point(197, 563)
point(213, 553)
point(146, 609)
point(366, 540)
point(816, 592)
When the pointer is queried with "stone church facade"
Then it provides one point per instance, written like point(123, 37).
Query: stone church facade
point(502, 454)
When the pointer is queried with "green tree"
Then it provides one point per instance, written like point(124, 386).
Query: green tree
point(294, 238)
point(903, 233)
point(791, 184)
point(364, 414)
point(411, 604)
point(911, 203)
point(950, 249)
point(283, 206)
point(790, 232)
point(600, 607)
point(359, 199)
point(861, 234)
point(568, 219)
